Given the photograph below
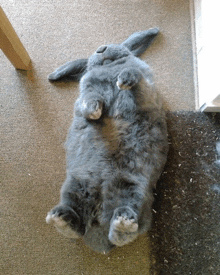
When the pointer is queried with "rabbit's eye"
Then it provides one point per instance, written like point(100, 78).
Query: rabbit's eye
point(107, 61)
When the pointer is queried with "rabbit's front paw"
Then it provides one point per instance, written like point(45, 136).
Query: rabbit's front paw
point(92, 109)
point(128, 78)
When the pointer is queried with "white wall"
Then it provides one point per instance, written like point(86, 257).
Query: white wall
point(207, 30)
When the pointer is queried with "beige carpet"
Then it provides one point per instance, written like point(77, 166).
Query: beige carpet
point(35, 116)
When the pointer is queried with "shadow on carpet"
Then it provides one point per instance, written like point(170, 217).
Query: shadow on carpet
point(185, 235)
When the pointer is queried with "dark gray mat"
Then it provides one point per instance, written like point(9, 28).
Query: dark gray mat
point(185, 232)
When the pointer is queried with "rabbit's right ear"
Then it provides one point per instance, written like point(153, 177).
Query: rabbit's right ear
point(138, 42)
point(72, 70)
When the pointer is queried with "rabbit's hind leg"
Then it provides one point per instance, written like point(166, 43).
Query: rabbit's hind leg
point(66, 221)
point(123, 226)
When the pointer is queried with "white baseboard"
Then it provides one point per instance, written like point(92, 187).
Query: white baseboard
point(210, 108)
point(213, 106)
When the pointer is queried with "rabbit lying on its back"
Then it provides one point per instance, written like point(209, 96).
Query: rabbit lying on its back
point(116, 146)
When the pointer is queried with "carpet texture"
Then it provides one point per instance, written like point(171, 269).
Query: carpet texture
point(185, 233)
point(35, 116)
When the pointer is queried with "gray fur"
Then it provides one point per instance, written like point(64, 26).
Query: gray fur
point(116, 146)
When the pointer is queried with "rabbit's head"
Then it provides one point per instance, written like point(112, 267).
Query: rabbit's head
point(107, 54)
point(135, 45)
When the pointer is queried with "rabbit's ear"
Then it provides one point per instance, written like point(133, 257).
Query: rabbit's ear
point(72, 70)
point(138, 42)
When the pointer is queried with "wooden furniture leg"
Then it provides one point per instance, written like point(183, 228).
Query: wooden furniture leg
point(11, 44)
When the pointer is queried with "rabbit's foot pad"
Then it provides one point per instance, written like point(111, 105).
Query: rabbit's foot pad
point(124, 226)
point(58, 218)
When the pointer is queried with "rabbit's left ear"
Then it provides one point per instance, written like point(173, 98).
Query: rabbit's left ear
point(138, 42)
point(72, 70)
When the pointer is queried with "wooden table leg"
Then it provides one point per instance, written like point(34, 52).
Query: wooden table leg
point(11, 44)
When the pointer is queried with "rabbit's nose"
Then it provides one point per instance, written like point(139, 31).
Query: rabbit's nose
point(101, 49)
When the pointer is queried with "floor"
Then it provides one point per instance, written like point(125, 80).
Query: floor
point(35, 116)
point(185, 232)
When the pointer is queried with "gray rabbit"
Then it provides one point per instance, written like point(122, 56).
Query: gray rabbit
point(116, 146)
